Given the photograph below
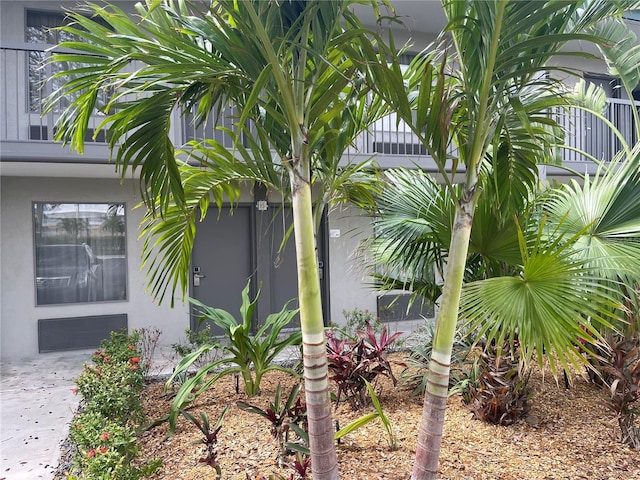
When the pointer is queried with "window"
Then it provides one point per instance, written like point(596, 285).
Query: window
point(41, 29)
point(80, 252)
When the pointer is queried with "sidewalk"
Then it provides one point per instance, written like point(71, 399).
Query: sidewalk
point(36, 407)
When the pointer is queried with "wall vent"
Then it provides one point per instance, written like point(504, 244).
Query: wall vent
point(393, 308)
point(77, 333)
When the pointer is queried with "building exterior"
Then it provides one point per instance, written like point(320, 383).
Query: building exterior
point(70, 254)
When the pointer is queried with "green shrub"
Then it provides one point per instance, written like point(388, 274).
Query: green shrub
point(357, 319)
point(120, 347)
point(90, 430)
point(195, 340)
point(112, 389)
point(104, 433)
point(247, 354)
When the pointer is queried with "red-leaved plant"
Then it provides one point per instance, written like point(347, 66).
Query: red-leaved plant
point(210, 437)
point(301, 465)
point(352, 364)
point(622, 377)
point(282, 415)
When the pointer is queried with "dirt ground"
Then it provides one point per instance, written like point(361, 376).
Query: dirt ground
point(567, 435)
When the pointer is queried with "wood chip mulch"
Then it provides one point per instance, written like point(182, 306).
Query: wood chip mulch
point(567, 435)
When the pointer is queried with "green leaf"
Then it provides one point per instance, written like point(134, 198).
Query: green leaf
point(355, 424)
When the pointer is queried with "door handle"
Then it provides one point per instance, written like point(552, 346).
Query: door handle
point(196, 279)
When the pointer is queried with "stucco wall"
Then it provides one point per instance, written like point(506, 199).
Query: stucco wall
point(19, 315)
point(348, 284)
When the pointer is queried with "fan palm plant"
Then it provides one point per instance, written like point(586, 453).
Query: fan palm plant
point(482, 102)
point(290, 68)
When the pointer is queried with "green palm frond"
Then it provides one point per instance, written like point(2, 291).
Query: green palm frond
point(551, 303)
point(414, 224)
point(603, 213)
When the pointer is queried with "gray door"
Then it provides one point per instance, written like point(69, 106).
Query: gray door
point(276, 273)
point(222, 259)
point(229, 249)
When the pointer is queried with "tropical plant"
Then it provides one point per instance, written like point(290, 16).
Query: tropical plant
point(209, 437)
point(249, 354)
point(364, 419)
point(353, 364)
point(281, 415)
point(500, 392)
point(620, 371)
point(291, 70)
point(482, 101)
point(355, 320)
point(415, 375)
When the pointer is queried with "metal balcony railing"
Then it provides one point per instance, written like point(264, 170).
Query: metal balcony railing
point(24, 84)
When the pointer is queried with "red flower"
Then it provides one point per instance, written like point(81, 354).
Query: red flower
point(107, 357)
point(133, 367)
point(132, 347)
point(134, 360)
point(105, 436)
point(103, 449)
point(74, 390)
point(91, 453)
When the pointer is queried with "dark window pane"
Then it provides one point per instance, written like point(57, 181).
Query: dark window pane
point(80, 253)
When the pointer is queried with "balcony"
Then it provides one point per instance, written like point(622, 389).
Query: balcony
point(27, 135)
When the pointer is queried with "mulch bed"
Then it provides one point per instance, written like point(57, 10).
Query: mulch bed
point(567, 435)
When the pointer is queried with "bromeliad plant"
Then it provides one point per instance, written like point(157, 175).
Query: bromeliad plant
point(250, 355)
point(210, 437)
point(353, 364)
point(282, 416)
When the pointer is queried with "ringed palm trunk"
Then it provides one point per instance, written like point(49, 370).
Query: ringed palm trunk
point(425, 466)
point(324, 461)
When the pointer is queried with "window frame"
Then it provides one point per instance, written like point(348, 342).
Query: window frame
point(110, 237)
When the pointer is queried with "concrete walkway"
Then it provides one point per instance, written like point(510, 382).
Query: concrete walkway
point(36, 407)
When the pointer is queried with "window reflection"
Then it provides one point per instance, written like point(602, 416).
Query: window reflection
point(80, 252)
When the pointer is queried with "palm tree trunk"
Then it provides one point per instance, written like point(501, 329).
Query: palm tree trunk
point(324, 462)
point(435, 398)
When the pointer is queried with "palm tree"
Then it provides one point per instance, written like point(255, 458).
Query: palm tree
point(290, 68)
point(480, 99)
